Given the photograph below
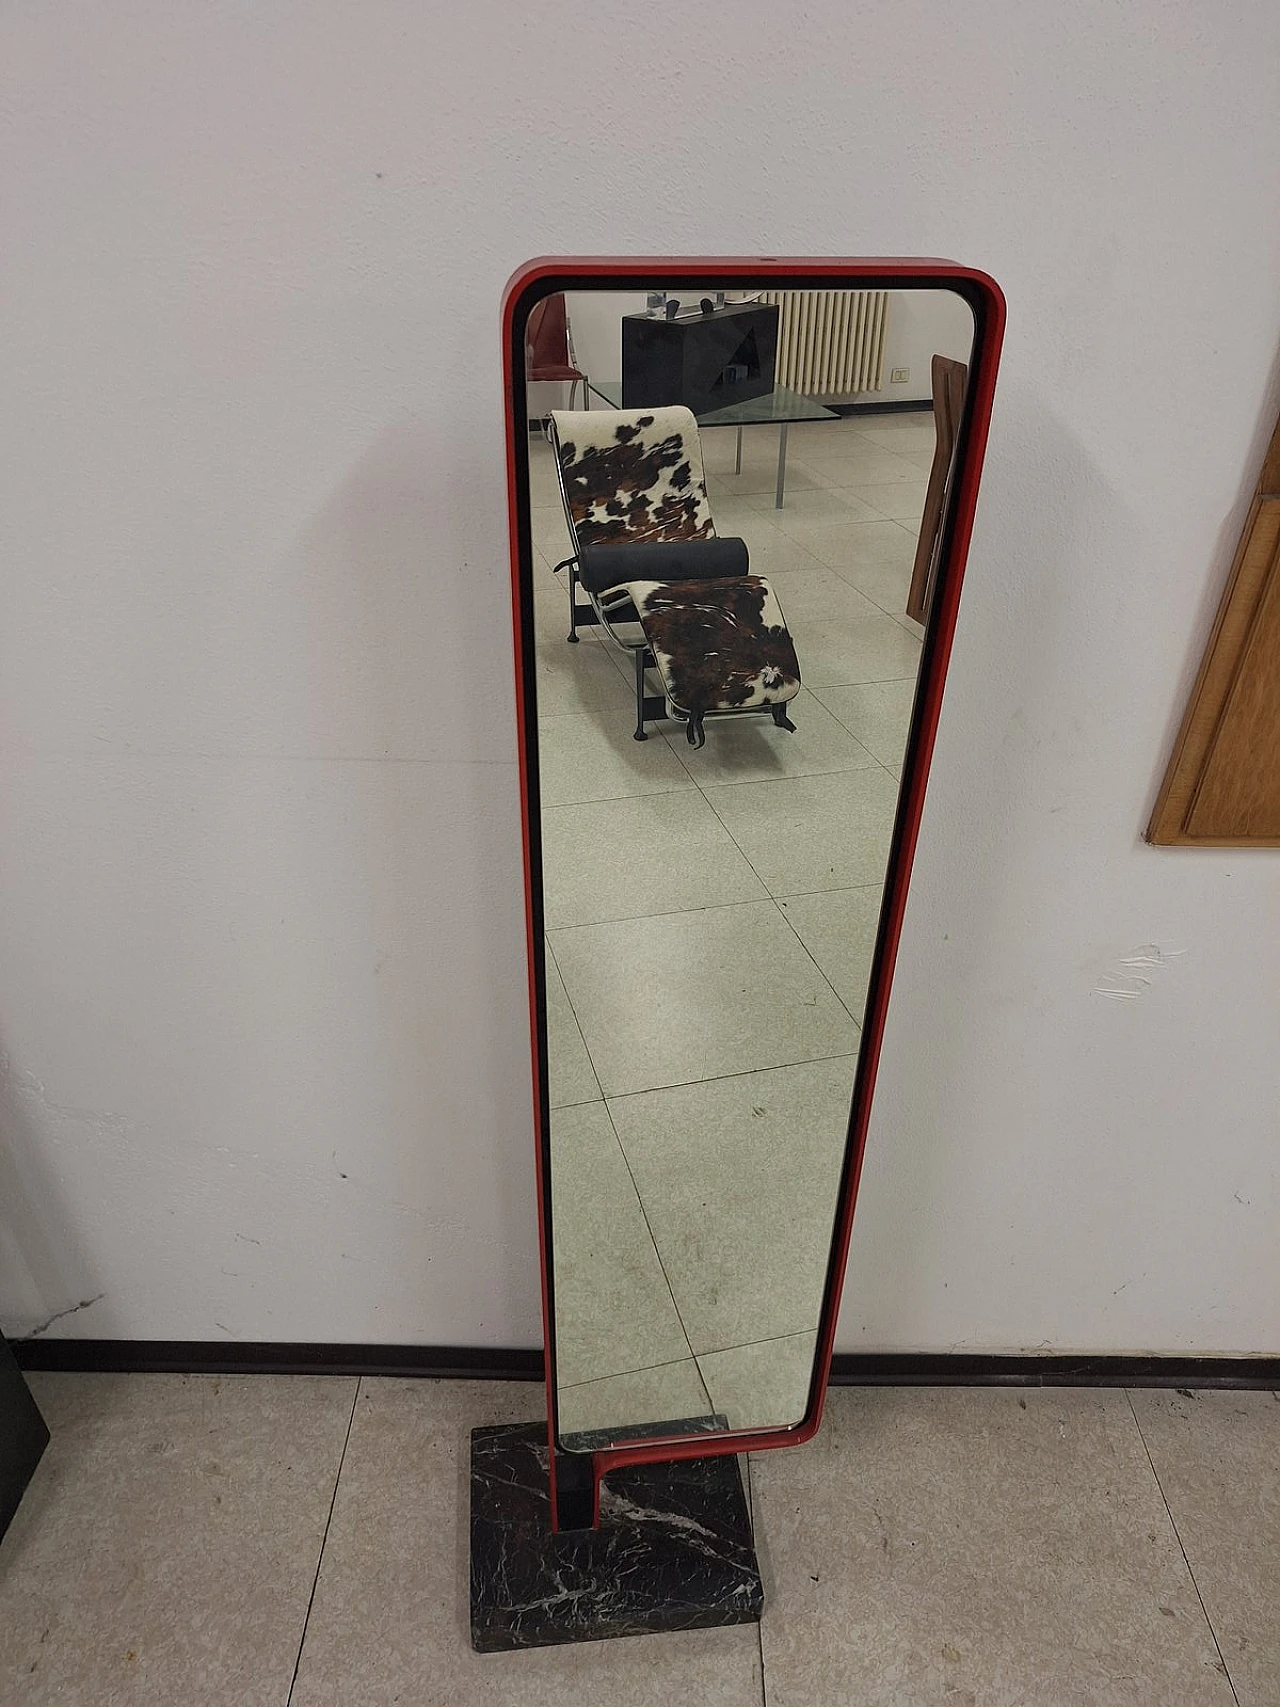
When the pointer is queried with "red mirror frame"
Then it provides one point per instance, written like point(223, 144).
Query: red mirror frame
point(530, 284)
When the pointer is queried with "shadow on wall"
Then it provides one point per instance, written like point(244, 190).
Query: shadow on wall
point(297, 931)
point(404, 579)
point(40, 1262)
point(988, 884)
point(395, 608)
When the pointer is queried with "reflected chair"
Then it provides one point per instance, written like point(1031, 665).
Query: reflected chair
point(657, 577)
point(949, 381)
point(548, 349)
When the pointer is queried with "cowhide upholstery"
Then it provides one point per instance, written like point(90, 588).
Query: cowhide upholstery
point(718, 645)
point(632, 475)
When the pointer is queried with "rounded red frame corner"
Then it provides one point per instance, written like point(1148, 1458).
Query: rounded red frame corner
point(987, 299)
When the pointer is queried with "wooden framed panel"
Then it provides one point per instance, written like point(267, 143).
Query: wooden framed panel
point(1222, 787)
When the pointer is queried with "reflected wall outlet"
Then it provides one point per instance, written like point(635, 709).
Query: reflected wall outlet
point(899, 375)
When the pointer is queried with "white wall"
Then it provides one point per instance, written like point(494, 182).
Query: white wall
point(260, 923)
point(920, 325)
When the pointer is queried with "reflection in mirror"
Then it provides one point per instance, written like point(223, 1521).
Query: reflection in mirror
point(731, 548)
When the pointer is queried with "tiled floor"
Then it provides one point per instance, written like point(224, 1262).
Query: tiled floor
point(710, 920)
point(282, 1541)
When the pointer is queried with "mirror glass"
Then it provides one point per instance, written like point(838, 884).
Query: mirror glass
point(741, 498)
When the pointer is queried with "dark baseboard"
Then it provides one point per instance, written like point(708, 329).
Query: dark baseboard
point(982, 1369)
point(480, 1363)
point(910, 406)
point(266, 1357)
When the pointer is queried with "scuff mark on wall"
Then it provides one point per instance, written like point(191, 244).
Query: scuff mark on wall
point(27, 1085)
point(71, 1310)
point(1132, 975)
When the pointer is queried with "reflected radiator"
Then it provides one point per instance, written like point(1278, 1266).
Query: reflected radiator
point(830, 342)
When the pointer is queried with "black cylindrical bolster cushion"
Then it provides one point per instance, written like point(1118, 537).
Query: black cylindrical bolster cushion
point(603, 566)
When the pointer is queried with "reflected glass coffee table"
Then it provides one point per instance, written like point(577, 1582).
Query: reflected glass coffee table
point(777, 408)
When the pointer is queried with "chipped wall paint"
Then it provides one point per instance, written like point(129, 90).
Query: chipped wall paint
point(1134, 974)
point(259, 903)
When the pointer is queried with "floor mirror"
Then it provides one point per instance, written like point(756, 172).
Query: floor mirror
point(741, 497)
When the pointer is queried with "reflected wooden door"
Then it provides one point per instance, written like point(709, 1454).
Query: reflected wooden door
point(949, 381)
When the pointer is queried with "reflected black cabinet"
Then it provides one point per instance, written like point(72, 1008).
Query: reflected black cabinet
point(705, 361)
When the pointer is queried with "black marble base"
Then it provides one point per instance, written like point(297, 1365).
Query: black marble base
point(595, 1440)
point(673, 1550)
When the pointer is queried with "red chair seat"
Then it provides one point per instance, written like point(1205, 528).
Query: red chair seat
point(555, 372)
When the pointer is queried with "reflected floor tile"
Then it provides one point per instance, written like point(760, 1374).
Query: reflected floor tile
point(841, 636)
point(544, 489)
point(754, 749)
point(166, 1548)
point(922, 459)
point(759, 447)
point(878, 714)
point(830, 435)
point(593, 757)
point(809, 833)
point(813, 505)
point(901, 500)
point(575, 680)
point(736, 517)
point(690, 996)
point(904, 440)
point(759, 477)
point(390, 1620)
point(838, 927)
point(673, 1392)
point(886, 583)
point(626, 859)
point(1218, 1459)
point(738, 1178)
point(614, 1310)
point(938, 1546)
point(571, 1080)
point(765, 1385)
point(773, 552)
point(847, 547)
point(864, 464)
point(550, 532)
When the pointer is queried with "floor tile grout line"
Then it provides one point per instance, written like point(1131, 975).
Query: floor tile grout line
point(798, 776)
point(853, 734)
point(742, 1073)
point(634, 1186)
point(675, 1303)
point(1177, 1535)
point(324, 1539)
point(582, 1036)
point(714, 907)
point(854, 1019)
point(795, 933)
point(644, 1369)
point(710, 906)
point(749, 1345)
point(712, 1351)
